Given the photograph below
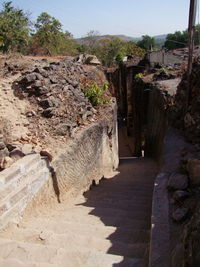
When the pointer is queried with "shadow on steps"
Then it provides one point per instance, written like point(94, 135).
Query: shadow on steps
point(124, 202)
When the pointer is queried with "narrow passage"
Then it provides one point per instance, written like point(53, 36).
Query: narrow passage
point(109, 226)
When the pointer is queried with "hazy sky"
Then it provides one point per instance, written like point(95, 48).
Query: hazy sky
point(129, 17)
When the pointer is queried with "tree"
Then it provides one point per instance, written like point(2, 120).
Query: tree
point(147, 42)
point(176, 40)
point(109, 49)
point(49, 38)
point(132, 49)
point(14, 28)
point(91, 41)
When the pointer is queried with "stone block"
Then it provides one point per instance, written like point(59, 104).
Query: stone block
point(5, 191)
point(18, 168)
point(13, 214)
point(18, 196)
point(177, 182)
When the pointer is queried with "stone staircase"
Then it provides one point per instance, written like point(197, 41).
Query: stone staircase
point(108, 226)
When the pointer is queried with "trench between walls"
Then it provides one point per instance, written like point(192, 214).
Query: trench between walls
point(142, 119)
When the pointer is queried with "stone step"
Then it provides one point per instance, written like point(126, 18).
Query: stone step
point(92, 243)
point(102, 213)
point(110, 223)
point(131, 180)
point(119, 204)
point(17, 263)
point(135, 198)
point(138, 198)
point(31, 233)
point(126, 185)
point(52, 256)
point(107, 219)
point(115, 197)
point(120, 192)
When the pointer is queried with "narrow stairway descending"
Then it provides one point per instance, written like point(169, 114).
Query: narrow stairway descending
point(108, 226)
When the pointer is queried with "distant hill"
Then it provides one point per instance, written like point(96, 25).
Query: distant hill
point(160, 39)
point(109, 36)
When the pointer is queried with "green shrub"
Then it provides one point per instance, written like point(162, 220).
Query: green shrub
point(138, 76)
point(95, 93)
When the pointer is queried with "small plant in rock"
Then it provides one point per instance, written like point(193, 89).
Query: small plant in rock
point(138, 76)
point(164, 71)
point(96, 93)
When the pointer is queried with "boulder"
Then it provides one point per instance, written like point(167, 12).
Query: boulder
point(48, 113)
point(12, 146)
point(180, 195)
point(46, 103)
point(180, 214)
point(177, 181)
point(193, 167)
point(26, 149)
point(4, 153)
point(7, 162)
point(30, 77)
point(16, 154)
point(2, 145)
point(88, 59)
point(38, 84)
point(65, 128)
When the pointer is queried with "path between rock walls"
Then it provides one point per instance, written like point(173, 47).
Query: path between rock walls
point(108, 226)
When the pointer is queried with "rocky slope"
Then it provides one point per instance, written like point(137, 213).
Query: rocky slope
point(43, 104)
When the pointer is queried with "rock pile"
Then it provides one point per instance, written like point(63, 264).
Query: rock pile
point(54, 92)
point(184, 196)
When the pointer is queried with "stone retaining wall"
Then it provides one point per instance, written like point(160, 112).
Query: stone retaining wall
point(92, 154)
point(89, 156)
point(19, 184)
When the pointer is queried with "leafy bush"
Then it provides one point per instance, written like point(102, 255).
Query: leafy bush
point(96, 93)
